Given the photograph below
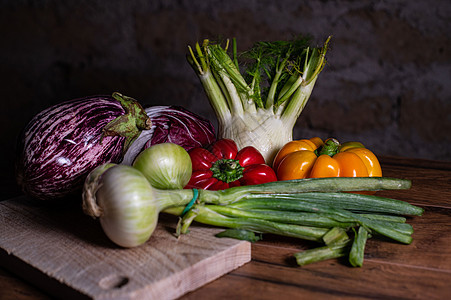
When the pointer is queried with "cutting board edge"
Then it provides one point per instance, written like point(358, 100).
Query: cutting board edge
point(51, 286)
point(241, 251)
point(238, 254)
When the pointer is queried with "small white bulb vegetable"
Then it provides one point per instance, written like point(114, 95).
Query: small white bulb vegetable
point(260, 106)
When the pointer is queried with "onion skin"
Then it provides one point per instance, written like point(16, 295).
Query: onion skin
point(129, 207)
point(166, 166)
point(63, 143)
point(126, 203)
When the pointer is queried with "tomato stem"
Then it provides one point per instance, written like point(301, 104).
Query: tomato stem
point(331, 147)
point(227, 170)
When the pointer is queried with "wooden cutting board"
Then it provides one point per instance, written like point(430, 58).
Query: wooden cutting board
point(66, 253)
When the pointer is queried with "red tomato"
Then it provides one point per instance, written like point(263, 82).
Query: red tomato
point(223, 166)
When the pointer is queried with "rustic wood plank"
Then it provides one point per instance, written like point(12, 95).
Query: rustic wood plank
point(64, 246)
point(429, 187)
point(331, 280)
point(431, 246)
point(416, 163)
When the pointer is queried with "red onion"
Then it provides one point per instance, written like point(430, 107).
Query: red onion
point(173, 124)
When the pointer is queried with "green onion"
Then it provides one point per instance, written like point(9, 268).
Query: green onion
point(335, 235)
point(289, 217)
point(128, 206)
point(239, 234)
point(205, 215)
point(322, 253)
point(358, 247)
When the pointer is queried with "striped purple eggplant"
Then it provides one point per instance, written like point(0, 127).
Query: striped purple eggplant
point(63, 143)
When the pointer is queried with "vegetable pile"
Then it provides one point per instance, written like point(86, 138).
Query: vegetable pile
point(130, 164)
point(312, 209)
point(63, 143)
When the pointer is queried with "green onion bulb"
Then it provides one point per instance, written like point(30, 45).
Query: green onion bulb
point(129, 211)
point(126, 203)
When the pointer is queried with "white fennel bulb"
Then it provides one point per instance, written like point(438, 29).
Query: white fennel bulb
point(263, 130)
point(259, 106)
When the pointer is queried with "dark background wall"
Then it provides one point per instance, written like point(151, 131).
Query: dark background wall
point(387, 82)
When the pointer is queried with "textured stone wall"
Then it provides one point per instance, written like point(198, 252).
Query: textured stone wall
point(387, 81)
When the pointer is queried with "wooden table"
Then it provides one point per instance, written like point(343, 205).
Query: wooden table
point(421, 270)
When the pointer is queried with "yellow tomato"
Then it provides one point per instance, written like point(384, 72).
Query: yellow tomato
point(317, 141)
point(350, 165)
point(296, 165)
point(293, 146)
point(369, 159)
point(325, 166)
point(347, 145)
point(313, 159)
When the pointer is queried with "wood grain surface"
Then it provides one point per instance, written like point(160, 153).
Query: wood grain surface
point(67, 254)
point(421, 270)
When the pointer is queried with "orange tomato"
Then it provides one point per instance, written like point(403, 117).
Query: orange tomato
point(317, 141)
point(325, 166)
point(369, 159)
point(298, 159)
point(293, 146)
point(347, 145)
point(350, 165)
point(296, 165)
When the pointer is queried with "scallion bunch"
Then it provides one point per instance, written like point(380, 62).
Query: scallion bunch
point(128, 204)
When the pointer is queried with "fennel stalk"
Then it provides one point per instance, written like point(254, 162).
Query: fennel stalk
point(260, 105)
